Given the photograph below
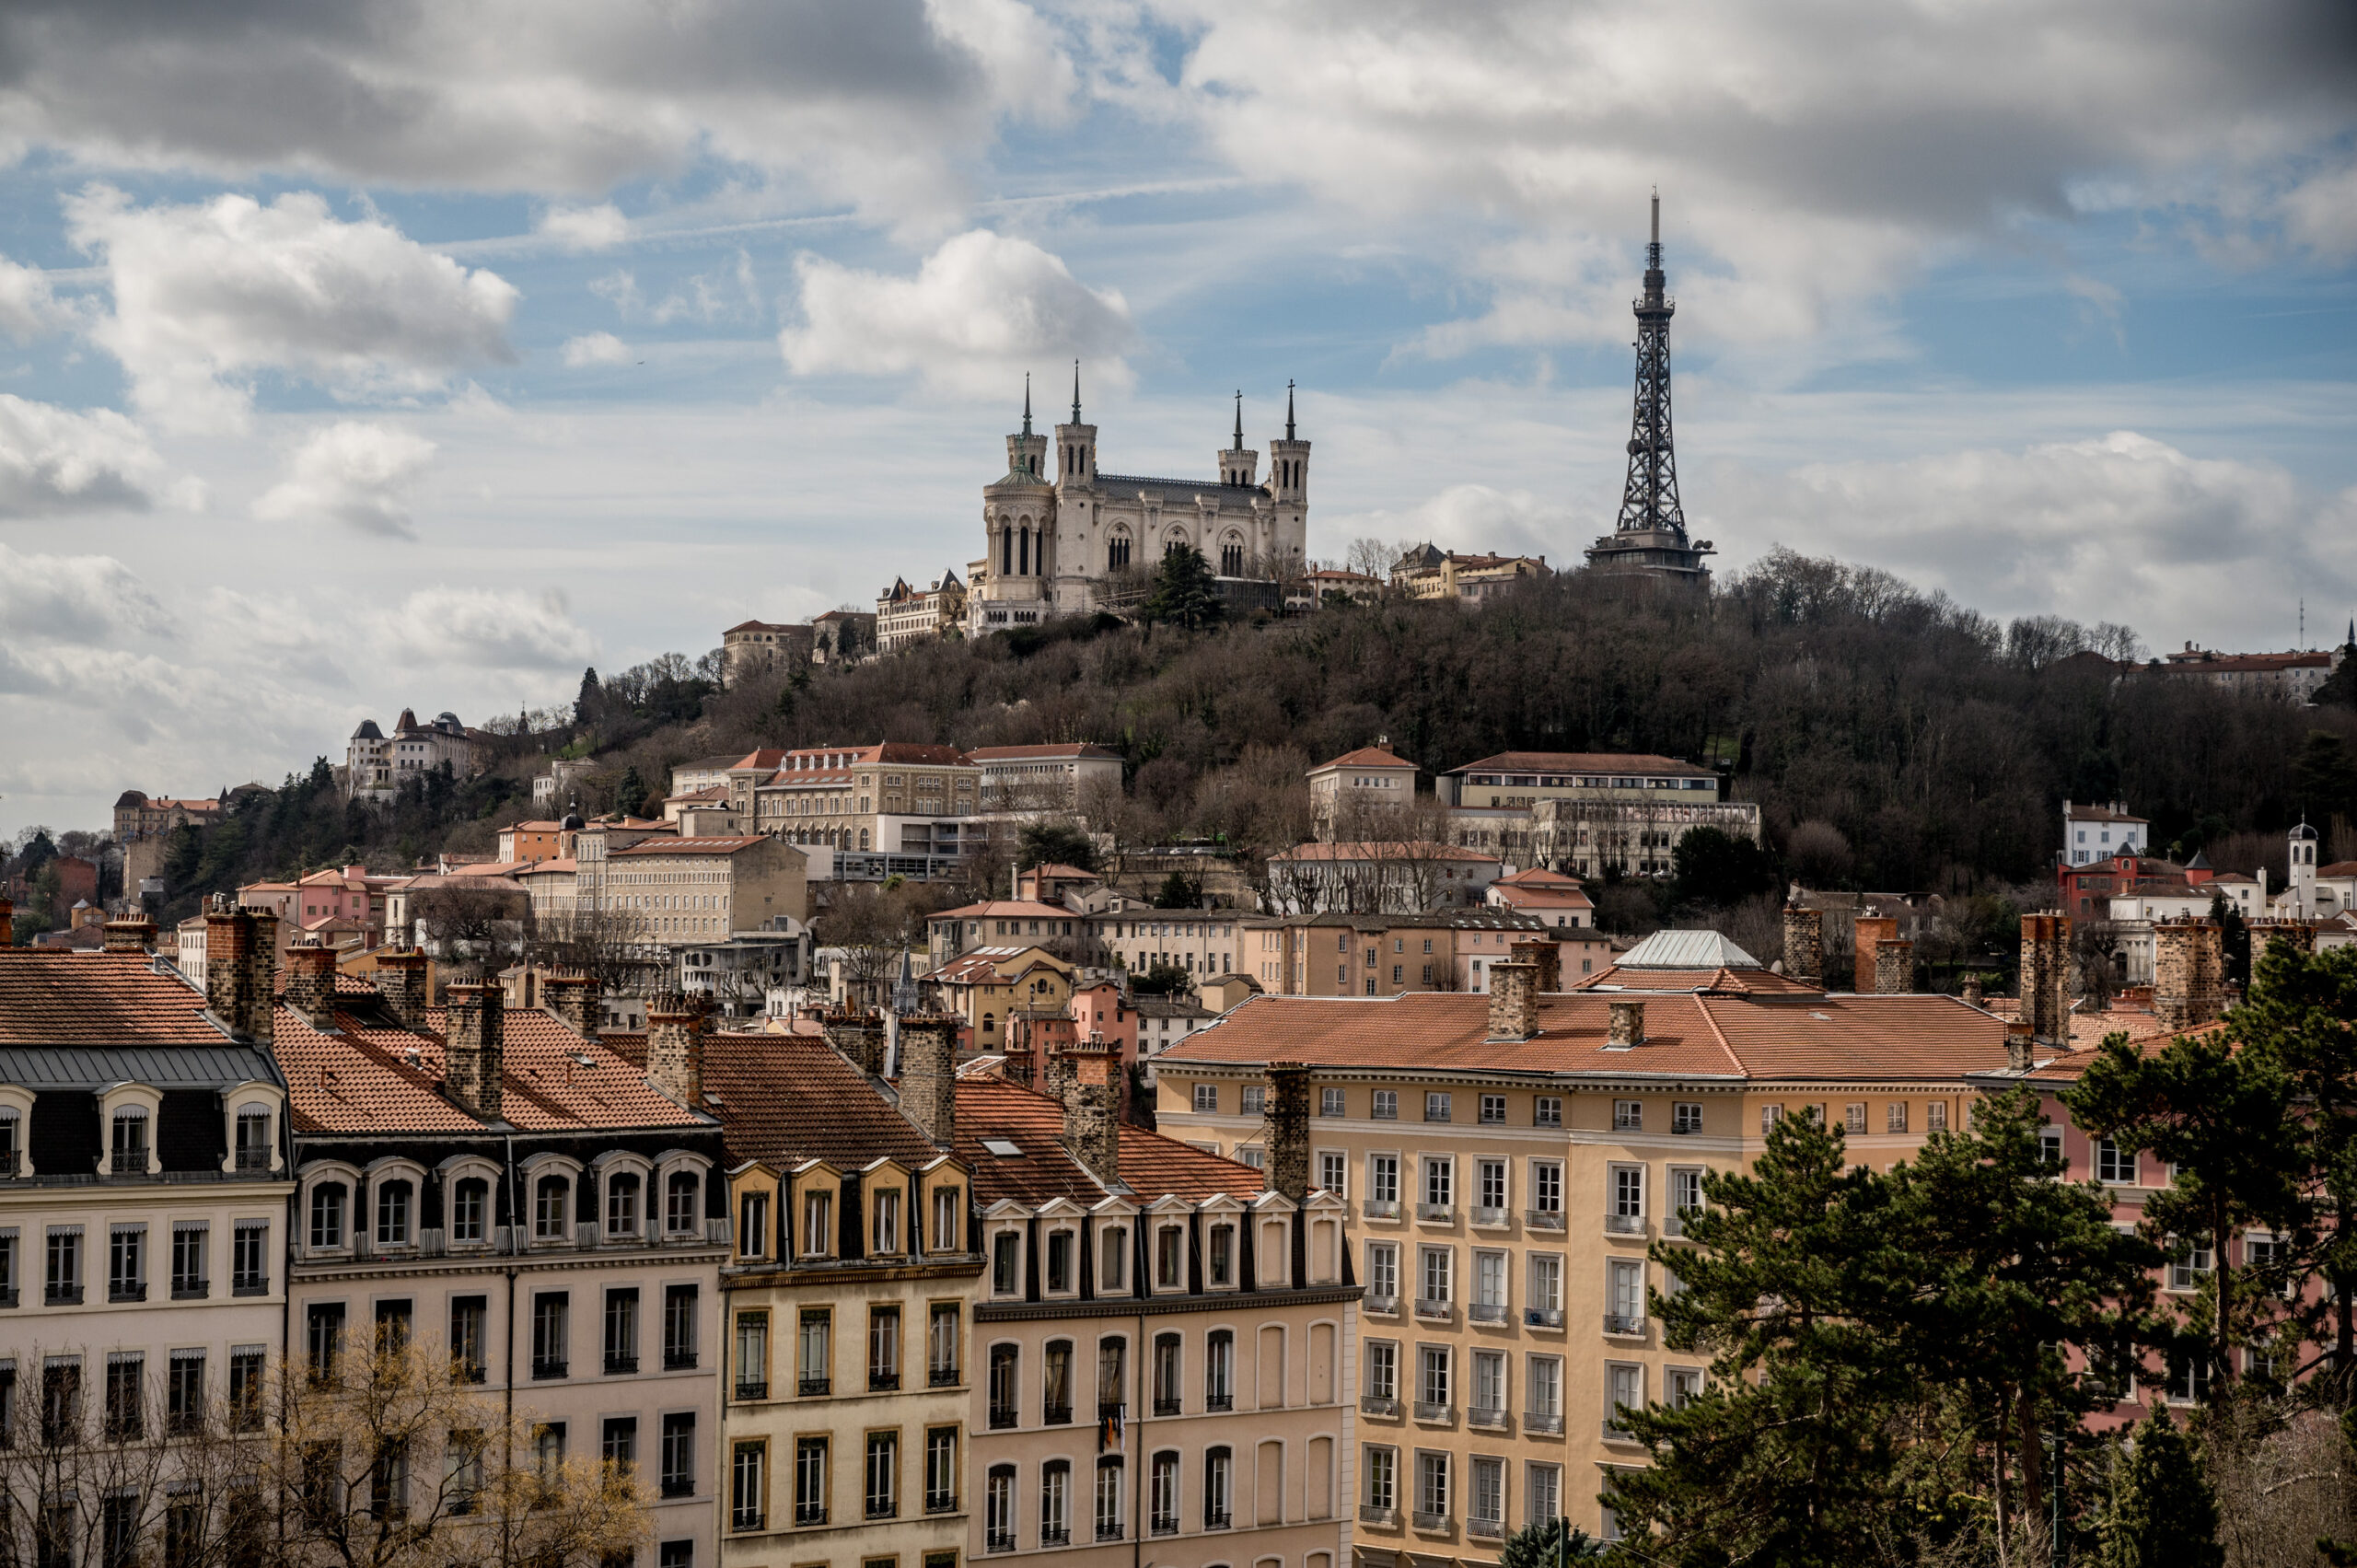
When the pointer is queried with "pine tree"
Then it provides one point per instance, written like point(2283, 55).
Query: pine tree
point(630, 796)
point(585, 706)
point(1185, 592)
point(2163, 1514)
point(1548, 1543)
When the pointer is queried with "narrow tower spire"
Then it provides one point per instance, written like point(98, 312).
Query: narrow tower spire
point(1075, 391)
point(1288, 410)
point(1649, 500)
point(1239, 420)
point(1027, 402)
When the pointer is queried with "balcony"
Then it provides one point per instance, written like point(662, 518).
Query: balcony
point(1440, 1414)
point(1002, 1418)
point(191, 1289)
point(1488, 1529)
point(998, 1541)
point(679, 1359)
point(1382, 1518)
point(1217, 1519)
point(1384, 1304)
point(1494, 1218)
point(1618, 1434)
point(1055, 1535)
point(543, 1370)
point(1219, 1402)
point(747, 1389)
point(621, 1365)
point(940, 1502)
point(1624, 1326)
point(8, 1296)
point(1379, 1208)
point(1437, 1311)
point(1492, 1416)
point(882, 1508)
point(1436, 1214)
point(253, 1161)
point(810, 1513)
point(62, 1296)
point(675, 1485)
point(1675, 1225)
point(1165, 1406)
point(1542, 1425)
point(1163, 1525)
point(127, 1290)
point(1542, 1316)
point(1624, 1224)
point(1431, 1524)
point(1543, 1219)
point(943, 1377)
point(130, 1162)
point(1487, 1312)
point(814, 1387)
point(1056, 1414)
point(1110, 1529)
point(1112, 1410)
point(745, 1520)
point(1377, 1404)
point(883, 1382)
point(251, 1284)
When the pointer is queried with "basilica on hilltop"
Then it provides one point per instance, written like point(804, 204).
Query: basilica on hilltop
point(1069, 539)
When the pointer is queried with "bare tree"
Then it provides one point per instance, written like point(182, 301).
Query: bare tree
point(467, 919)
point(608, 945)
point(871, 925)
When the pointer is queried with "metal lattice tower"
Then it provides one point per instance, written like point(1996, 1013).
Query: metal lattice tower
point(1649, 500)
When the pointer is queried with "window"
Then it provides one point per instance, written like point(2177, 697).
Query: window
point(2050, 1147)
point(1547, 1110)
point(324, 1338)
point(1494, 1109)
point(1490, 1179)
point(1440, 1181)
point(1207, 1099)
point(1485, 1507)
point(1329, 1102)
point(618, 1443)
point(998, 1509)
point(1333, 1165)
point(1055, 1407)
point(1219, 1370)
point(1547, 1288)
point(1383, 1179)
point(2188, 1273)
point(1256, 1099)
point(1005, 1362)
point(1437, 1106)
point(63, 1284)
point(1060, 1245)
point(818, 1224)
point(1624, 1389)
point(393, 1325)
point(126, 1407)
point(1624, 1297)
point(1627, 1116)
point(678, 1327)
point(747, 1487)
point(1382, 1491)
point(621, 1203)
point(941, 1345)
point(1222, 1255)
point(1431, 1488)
point(130, 1149)
point(1853, 1117)
point(1769, 1116)
point(1935, 1116)
point(1686, 1116)
point(1542, 1489)
point(1113, 1260)
point(1006, 1264)
point(1489, 1383)
point(1386, 1106)
point(246, 1387)
point(551, 1319)
point(469, 1314)
point(810, 1480)
point(2115, 1165)
point(1170, 1257)
point(680, 1205)
point(1547, 1186)
point(1544, 1409)
point(814, 1356)
point(1433, 1368)
point(126, 1263)
point(326, 1214)
point(1219, 1488)
point(1685, 1191)
point(1163, 1495)
point(549, 1196)
point(1055, 1503)
point(1895, 1117)
point(1382, 1370)
point(470, 1202)
point(945, 1232)
point(941, 1469)
point(883, 1348)
point(1490, 1287)
point(883, 1487)
point(188, 1261)
point(1680, 1384)
point(1383, 1273)
point(393, 1205)
point(184, 1391)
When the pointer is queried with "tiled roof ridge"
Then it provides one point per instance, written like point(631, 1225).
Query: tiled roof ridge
point(1734, 1061)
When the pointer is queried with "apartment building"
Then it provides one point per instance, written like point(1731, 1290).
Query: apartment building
point(897, 797)
point(1378, 955)
point(1508, 1158)
point(984, 987)
point(143, 1206)
point(907, 616)
point(1369, 781)
point(845, 1378)
point(1044, 778)
point(1587, 812)
point(1164, 1341)
point(701, 889)
point(508, 1185)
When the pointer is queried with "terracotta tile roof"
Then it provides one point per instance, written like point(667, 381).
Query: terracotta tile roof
point(1539, 876)
point(1004, 908)
point(1543, 898)
point(709, 791)
point(1584, 763)
point(63, 996)
point(715, 846)
point(786, 1099)
point(1379, 850)
point(1806, 1037)
point(1367, 757)
point(1723, 981)
point(362, 1079)
point(986, 964)
point(1153, 1166)
point(765, 757)
point(2338, 868)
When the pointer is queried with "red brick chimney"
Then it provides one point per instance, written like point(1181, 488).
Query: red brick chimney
point(573, 1001)
point(7, 922)
point(1894, 967)
point(401, 980)
point(133, 933)
point(1093, 1108)
point(675, 1048)
point(1805, 944)
point(859, 1035)
point(242, 969)
point(2045, 962)
point(1624, 1025)
point(475, 1057)
point(1285, 1130)
point(310, 984)
point(1870, 932)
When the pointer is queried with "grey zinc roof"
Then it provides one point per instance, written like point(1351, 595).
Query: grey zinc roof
point(1687, 950)
point(1190, 487)
point(43, 1068)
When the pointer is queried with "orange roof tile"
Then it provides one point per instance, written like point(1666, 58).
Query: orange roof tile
point(788, 1098)
point(1586, 762)
point(1367, 757)
point(1153, 1166)
point(63, 996)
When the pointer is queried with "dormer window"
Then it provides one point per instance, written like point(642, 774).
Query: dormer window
point(1112, 1259)
point(550, 1196)
point(254, 1139)
point(753, 1225)
point(326, 1214)
point(9, 1144)
point(886, 1230)
point(1222, 1255)
point(818, 1223)
point(621, 1203)
point(945, 1236)
point(1007, 1263)
point(680, 1202)
point(393, 1206)
point(1170, 1258)
point(470, 1202)
point(130, 1143)
point(1059, 1261)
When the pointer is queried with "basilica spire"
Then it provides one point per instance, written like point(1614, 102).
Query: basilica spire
point(1239, 421)
point(1075, 391)
point(1027, 402)
point(1289, 411)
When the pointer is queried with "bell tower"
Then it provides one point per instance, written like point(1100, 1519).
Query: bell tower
point(1026, 454)
point(1238, 465)
point(1075, 446)
point(1289, 462)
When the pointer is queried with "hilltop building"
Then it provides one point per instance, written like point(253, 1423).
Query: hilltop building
point(376, 764)
point(1431, 572)
point(906, 616)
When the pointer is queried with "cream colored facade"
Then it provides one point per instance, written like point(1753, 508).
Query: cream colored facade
point(688, 889)
point(846, 1382)
point(886, 798)
point(906, 616)
point(1428, 573)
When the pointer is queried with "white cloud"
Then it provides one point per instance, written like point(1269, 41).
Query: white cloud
point(54, 460)
point(1470, 518)
point(2321, 212)
point(880, 104)
point(354, 473)
point(207, 295)
point(28, 308)
point(983, 307)
point(594, 348)
point(502, 629)
point(600, 228)
point(86, 600)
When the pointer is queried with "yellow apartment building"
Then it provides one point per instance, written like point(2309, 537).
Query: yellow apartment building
point(1508, 1158)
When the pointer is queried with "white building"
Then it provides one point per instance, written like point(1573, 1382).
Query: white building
point(2097, 832)
point(1074, 539)
point(1043, 778)
point(376, 764)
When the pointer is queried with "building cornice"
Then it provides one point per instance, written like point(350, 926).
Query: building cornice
point(1163, 1306)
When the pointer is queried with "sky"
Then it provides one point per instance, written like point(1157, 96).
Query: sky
point(421, 353)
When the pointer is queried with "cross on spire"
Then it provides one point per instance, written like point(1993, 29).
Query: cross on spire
point(1239, 419)
point(1288, 410)
point(1027, 402)
point(1075, 391)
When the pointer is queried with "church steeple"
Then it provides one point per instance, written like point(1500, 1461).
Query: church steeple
point(1075, 391)
point(1027, 402)
point(1076, 450)
point(1289, 411)
point(1237, 465)
point(1239, 421)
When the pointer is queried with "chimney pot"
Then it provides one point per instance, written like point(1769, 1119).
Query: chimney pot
point(859, 1035)
point(1092, 1099)
point(1514, 999)
point(1285, 1130)
point(2045, 947)
point(2019, 1042)
point(1548, 957)
point(474, 1049)
point(310, 984)
point(929, 1074)
point(1972, 990)
point(573, 1001)
point(1624, 1025)
point(133, 933)
point(675, 1048)
point(1805, 944)
point(1894, 967)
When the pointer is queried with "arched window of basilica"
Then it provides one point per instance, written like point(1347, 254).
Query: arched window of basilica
point(1117, 551)
point(1005, 551)
point(1231, 556)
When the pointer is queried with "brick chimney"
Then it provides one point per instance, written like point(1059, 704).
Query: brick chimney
point(675, 1048)
point(1549, 960)
point(1624, 1027)
point(2184, 974)
point(401, 980)
point(8, 922)
point(1872, 932)
point(1972, 990)
point(1805, 944)
point(310, 984)
point(573, 1001)
point(2046, 962)
point(859, 1035)
point(1093, 1108)
point(1285, 1123)
point(1894, 967)
point(929, 1074)
point(242, 969)
point(133, 933)
point(1055, 1070)
point(2017, 1046)
point(475, 1049)
point(1514, 999)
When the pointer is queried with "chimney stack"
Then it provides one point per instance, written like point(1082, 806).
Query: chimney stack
point(573, 1001)
point(1894, 967)
point(1093, 1109)
point(1548, 956)
point(1514, 999)
point(474, 1052)
point(2046, 953)
point(131, 933)
point(859, 1035)
point(675, 1048)
point(1624, 1027)
point(401, 980)
point(242, 969)
point(1870, 933)
point(1972, 990)
point(2017, 1046)
point(310, 984)
point(929, 1074)
point(8, 922)
point(1285, 1130)
point(1805, 944)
